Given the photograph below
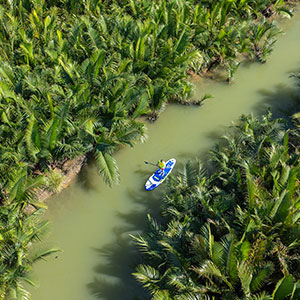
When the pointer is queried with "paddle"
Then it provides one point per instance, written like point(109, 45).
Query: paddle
point(149, 163)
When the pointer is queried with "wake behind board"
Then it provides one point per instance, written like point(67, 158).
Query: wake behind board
point(156, 179)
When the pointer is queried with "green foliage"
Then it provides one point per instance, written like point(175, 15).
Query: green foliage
point(232, 233)
point(69, 87)
point(75, 76)
point(17, 233)
point(283, 288)
point(54, 179)
point(106, 165)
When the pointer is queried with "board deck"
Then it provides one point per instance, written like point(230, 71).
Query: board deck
point(156, 179)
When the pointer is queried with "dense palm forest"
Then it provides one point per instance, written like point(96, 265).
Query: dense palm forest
point(232, 232)
point(76, 76)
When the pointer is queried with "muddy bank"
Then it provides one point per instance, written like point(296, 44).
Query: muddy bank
point(69, 171)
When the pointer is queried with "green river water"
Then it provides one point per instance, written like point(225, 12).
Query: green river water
point(91, 221)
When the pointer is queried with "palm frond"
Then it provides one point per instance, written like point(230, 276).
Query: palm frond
point(41, 254)
point(245, 276)
point(262, 296)
point(284, 288)
point(107, 167)
point(147, 275)
point(260, 276)
point(161, 294)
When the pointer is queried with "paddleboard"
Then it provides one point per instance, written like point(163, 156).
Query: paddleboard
point(157, 178)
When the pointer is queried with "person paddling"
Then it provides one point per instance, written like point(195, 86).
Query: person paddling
point(161, 164)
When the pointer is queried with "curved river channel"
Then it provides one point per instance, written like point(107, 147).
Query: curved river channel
point(91, 222)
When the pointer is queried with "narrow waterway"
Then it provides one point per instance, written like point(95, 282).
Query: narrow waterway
point(91, 221)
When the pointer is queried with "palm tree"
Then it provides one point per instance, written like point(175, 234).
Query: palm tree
point(75, 77)
point(18, 231)
point(235, 233)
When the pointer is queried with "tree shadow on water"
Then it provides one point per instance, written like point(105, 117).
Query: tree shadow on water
point(113, 279)
point(86, 177)
point(282, 100)
point(113, 275)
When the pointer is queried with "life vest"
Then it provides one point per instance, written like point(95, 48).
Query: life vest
point(161, 164)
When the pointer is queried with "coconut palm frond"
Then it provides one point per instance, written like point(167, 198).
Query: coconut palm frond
point(245, 275)
point(17, 185)
point(161, 294)
point(229, 257)
point(262, 296)
point(147, 275)
point(284, 288)
point(260, 276)
point(41, 254)
point(130, 134)
point(19, 292)
point(209, 270)
point(107, 167)
point(191, 175)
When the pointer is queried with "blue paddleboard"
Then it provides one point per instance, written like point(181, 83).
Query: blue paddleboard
point(156, 179)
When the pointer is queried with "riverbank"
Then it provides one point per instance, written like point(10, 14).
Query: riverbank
point(69, 170)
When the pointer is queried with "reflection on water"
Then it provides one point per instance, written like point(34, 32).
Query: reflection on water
point(92, 222)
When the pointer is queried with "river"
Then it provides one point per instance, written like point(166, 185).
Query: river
point(91, 221)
